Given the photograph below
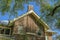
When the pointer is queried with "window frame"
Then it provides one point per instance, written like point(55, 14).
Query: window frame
point(4, 28)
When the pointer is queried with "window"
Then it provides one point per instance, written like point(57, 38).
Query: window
point(20, 30)
point(5, 31)
point(1, 31)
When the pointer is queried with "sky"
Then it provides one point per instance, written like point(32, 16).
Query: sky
point(21, 12)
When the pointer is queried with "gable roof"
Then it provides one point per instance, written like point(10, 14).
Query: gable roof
point(30, 12)
point(35, 15)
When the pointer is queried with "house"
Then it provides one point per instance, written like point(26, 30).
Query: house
point(28, 26)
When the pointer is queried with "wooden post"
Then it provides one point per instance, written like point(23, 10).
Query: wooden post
point(4, 31)
point(10, 32)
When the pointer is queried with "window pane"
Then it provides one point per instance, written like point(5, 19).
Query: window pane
point(20, 30)
point(2, 31)
point(7, 31)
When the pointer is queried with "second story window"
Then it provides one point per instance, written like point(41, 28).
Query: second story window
point(20, 30)
point(6, 31)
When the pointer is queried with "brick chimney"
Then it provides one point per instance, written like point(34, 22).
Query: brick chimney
point(30, 7)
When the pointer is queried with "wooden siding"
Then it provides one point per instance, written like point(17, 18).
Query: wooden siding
point(29, 24)
point(16, 24)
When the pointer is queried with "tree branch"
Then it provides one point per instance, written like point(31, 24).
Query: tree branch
point(53, 11)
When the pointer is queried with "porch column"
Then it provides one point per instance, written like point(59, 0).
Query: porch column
point(48, 36)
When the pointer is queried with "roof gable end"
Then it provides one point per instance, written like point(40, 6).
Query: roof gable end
point(35, 15)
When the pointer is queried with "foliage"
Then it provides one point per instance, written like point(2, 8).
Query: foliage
point(2, 25)
point(58, 37)
point(12, 6)
point(11, 24)
point(58, 24)
point(5, 5)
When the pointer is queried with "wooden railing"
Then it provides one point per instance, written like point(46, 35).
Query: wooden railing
point(28, 36)
point(34, 36)
point(40, 38)
point(6, 37)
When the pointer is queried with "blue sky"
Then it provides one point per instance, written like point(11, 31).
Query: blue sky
point(20, 12)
